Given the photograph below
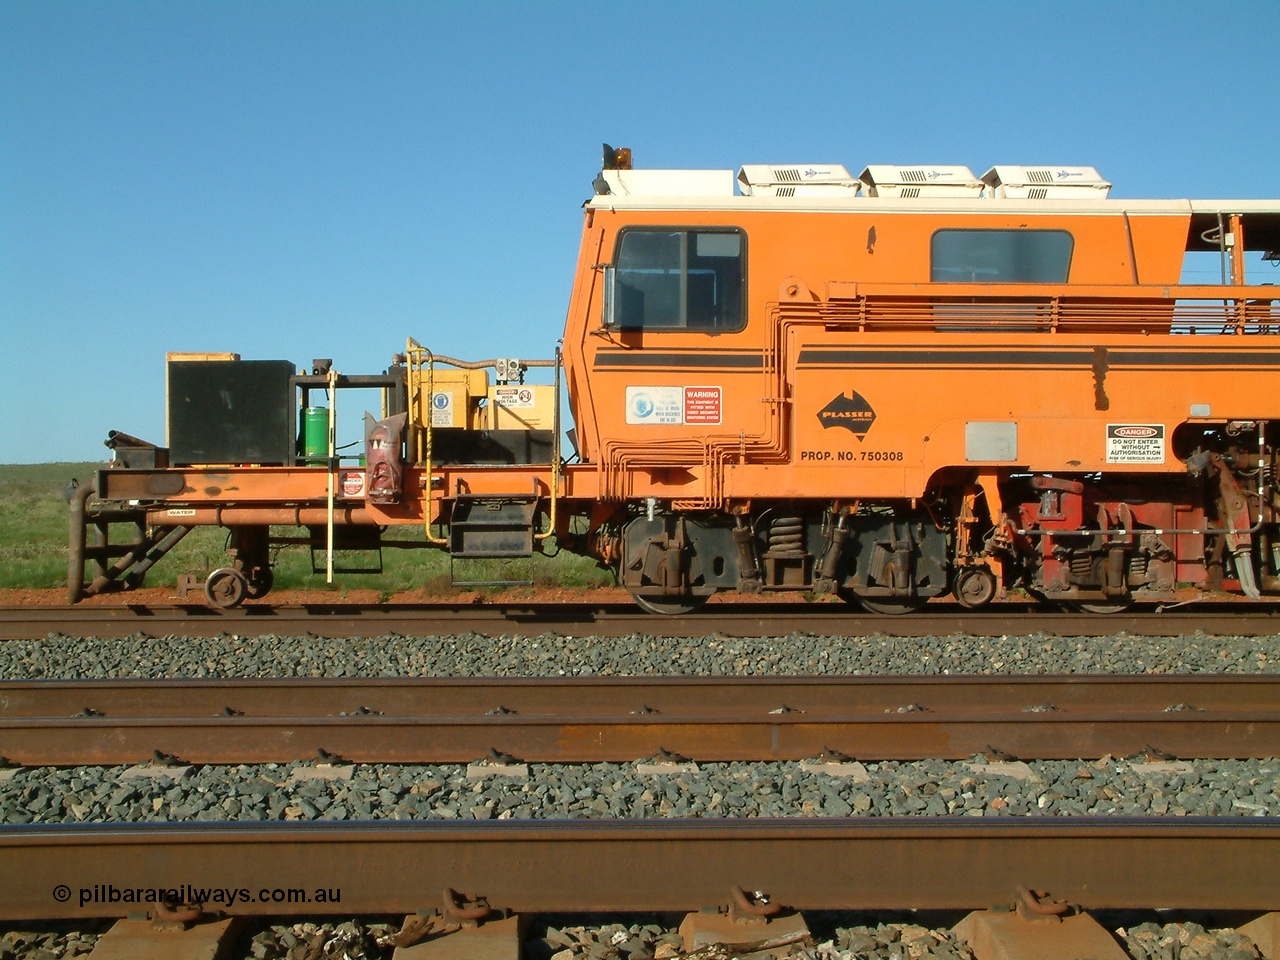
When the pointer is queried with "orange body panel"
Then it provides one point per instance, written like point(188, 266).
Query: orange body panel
point(925, 369)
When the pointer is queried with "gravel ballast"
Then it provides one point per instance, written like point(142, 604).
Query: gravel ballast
point(472, 655)
point(283, 792)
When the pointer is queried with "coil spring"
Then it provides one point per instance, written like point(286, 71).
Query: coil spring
point(786, 535)
point(1083, 567)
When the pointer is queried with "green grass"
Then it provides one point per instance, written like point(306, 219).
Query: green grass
point(33, 522)
point(33, 549)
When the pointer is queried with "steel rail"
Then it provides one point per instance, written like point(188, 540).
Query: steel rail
point(617, 619)
point(571, 866)
point(618, 719)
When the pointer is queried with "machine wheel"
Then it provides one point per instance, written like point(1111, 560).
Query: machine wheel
point(892, 606)
point(975, 587)
point(260, 584)
point(672, 606)
point(1103, 607)
point(226, 587)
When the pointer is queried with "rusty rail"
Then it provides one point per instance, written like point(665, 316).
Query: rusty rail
point(618, 619)
point(953, 863)
point(625, 719)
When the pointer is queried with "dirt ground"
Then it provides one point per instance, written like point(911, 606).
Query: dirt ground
point(165, 596)
point(169, 595)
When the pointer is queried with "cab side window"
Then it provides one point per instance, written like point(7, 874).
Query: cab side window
point(1001, 256)
point(670, 279)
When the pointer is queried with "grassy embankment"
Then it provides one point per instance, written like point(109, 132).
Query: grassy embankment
point(33, 548)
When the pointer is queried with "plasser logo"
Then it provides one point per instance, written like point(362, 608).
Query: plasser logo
point(850, 411)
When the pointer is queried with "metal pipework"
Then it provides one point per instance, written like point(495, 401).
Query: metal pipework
point(75, 541)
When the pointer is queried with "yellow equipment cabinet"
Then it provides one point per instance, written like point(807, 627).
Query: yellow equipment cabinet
point(455, 399)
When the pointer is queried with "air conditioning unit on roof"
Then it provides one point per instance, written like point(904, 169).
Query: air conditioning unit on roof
point(1007, 182)
point(945, 180)
point(796, 180)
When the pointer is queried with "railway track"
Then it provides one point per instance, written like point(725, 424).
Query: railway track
point(1207, 863)
point(106, 722)
point(575, 866)
point(618, 619)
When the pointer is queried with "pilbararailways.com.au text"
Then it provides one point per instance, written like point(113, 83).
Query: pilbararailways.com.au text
point(101, 893)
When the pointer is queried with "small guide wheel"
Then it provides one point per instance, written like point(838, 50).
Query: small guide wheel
point(226, 587)
point(259, 583)
point(975, 586)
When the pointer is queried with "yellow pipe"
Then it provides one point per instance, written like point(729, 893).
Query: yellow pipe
point(333, 467)
point(555, 457)
point(416, 352)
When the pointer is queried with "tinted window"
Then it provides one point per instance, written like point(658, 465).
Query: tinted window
point(1001, 256)
point(679, 279)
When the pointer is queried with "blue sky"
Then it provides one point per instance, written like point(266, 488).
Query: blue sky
point(290, 180)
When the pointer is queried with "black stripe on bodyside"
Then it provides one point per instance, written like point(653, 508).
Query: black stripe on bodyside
point(635, 359)
point(846, 356)
point(1196, 358)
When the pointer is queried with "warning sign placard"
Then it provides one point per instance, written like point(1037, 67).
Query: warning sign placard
point(442, 409)
point(1135, 443)
point(675, 405)
point(519, 397)
point(702, 405)
point(655, 405)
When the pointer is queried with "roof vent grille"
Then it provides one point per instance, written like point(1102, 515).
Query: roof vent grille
point(1045, 183)
point(887, 180)
point(796, 180)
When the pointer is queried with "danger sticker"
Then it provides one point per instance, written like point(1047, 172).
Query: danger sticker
point(352, 483)
point(1135, 443)
point(513, 397)
point(702, 405)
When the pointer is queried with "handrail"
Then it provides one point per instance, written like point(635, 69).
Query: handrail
point(1048, 308)
point(852, 290)
point(414, 354)
point(555, 456)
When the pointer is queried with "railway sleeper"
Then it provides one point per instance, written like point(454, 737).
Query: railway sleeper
point(149, 936)
point(1031, 926)
point(1036, 928)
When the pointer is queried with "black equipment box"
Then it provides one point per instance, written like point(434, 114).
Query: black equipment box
point(455, 445)
point(230, 411)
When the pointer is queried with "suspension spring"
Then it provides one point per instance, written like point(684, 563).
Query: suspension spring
point(786, 535)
